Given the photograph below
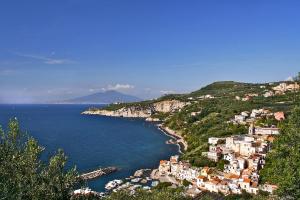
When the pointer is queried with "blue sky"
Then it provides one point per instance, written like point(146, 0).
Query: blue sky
point(58, 49)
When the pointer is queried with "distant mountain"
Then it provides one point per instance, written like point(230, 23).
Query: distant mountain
point(106, 97)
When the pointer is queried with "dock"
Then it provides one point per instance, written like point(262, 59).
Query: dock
point(98, 173)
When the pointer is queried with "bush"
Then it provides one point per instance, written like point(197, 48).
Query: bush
point(24, 176)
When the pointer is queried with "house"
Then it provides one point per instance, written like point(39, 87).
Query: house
point(84, 191)
point(195, 113)
point(229, 157)
point(214, 140)
point(224, 187)
point(164, 167)
point(245, 184)
point(250, 187)
point(293, 87)
point(246, 98)
point(245, 113)
point(263, 131)
point(240, 144)
point(189, 174)
point(201, 180)
point(269, 188)
point(205, 171)
point(212, 185)
point(174, 159)
point(213, 156)
point(208, 96)
point(269, 94)
point(279, 116)
point(239, 118)
point(235, 167)
point(281, 87)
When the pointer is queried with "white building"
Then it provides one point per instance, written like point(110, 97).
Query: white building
point(263, 131)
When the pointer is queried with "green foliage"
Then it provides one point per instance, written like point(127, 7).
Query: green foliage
point(163, 185)
point(282, 163)
point(221, 163)
point(186, 183)
point(165, 194)
point(24, 176)
point(212, 121)
point(202, 161)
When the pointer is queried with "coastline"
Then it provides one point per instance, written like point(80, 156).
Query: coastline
point(171, 133)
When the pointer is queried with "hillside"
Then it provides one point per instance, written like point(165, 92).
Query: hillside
point(205, 113)
point(103, 98)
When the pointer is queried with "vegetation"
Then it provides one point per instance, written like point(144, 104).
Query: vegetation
point(283, 162)
point(24, 176)
point(166, 194)
point(212, 119)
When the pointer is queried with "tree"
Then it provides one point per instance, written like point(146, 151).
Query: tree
point(282, 163)
point(24, 176)
point(165, 194)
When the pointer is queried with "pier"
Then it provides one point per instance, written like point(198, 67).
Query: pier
point(98, 173)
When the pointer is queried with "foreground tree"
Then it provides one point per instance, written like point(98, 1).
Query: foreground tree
point(24, 176)
point(165, 194)
point(283, 163)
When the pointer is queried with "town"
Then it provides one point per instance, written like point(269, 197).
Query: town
point(243, 157)
point(240, 156)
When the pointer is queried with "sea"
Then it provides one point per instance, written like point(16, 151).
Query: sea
point(92, 141)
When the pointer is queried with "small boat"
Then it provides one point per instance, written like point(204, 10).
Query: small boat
point(119, 182)
point(146, 188)
point(154, 183)
point(111, 185)
point(136, 180)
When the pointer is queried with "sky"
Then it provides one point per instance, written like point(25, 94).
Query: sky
point(59, 49)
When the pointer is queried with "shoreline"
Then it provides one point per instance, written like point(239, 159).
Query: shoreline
point(171, 133)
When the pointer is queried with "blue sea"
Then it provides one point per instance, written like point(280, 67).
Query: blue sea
point(92, 141)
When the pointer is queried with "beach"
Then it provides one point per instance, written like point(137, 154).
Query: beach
point(179, 138)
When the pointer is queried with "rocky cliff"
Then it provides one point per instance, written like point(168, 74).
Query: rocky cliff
point(142, 112)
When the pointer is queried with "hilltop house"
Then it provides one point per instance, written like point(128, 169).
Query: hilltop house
point(279, 116)
point(263, 131)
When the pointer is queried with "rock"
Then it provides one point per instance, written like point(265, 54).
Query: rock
point(142, 172)
point(150, 119)
point(141, 112)
point(144, 181)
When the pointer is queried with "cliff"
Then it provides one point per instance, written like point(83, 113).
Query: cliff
point(138, 111)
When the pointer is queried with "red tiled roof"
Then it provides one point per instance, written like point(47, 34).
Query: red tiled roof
point(163, 162)
point(247, 180)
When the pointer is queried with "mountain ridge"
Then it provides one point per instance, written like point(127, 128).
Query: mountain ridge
point(110, 96)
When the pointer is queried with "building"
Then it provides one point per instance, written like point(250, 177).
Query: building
point(263, 131)
point(269, 188)
point(240, 144)
point(269, 94)
point(205, 171)
point(279, 116)
point(213, 140)
point(240, 118)
point(282, 87)
point(164, 167)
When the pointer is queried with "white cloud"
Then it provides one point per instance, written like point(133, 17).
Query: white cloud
point(46, 60)
point(119, 87)
point(6, 72)
point(167, 91)
point(290, 78)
